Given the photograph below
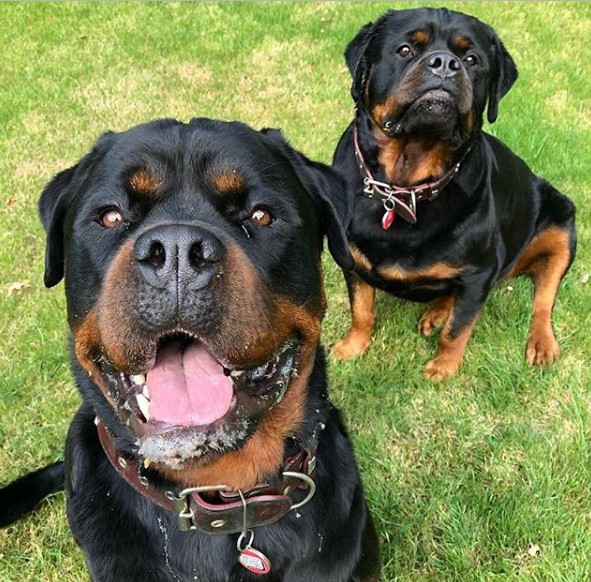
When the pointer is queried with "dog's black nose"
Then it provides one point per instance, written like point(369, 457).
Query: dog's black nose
point(178, 255)
point(443, 64)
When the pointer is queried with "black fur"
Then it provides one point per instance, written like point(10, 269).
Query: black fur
point(25, 494)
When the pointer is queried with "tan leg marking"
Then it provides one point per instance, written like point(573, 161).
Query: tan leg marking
point(546, 259)
point(450, 352)
point(436, 316)
point(358, 339)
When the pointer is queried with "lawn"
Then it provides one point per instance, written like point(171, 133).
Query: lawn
point(484, 477)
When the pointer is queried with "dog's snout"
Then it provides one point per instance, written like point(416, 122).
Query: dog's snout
point(443, 64)
point(174, 254)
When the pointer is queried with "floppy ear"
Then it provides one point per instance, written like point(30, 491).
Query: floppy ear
point(356, 61)
point(53, 207)
point(329, 191)
point(503, 76)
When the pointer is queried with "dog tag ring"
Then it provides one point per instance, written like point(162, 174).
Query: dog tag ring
point(251, 559)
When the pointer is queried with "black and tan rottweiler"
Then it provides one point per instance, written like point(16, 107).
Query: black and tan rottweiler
point(442, 210)
point(206, 447)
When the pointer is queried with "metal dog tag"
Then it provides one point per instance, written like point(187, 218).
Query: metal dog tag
point(251, 559)
point(254, 561)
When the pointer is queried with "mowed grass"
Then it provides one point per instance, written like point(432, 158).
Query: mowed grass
point(484, 477)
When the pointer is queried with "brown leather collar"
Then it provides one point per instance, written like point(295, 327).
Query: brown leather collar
point(399, 199)
point(230, 511)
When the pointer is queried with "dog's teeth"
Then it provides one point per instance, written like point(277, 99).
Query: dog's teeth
point(139, 379)
point(146, 391)
point(144, 405)
point(236, 373)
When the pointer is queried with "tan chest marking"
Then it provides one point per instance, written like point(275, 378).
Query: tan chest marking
point(434, 271)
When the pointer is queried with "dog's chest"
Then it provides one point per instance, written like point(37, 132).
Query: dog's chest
point(401, 263)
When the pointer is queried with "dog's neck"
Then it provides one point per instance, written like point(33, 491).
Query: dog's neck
point(408, 160)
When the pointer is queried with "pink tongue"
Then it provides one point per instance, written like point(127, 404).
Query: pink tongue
point(187, 386)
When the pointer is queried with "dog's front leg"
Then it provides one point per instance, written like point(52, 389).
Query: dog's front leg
point(466, 304)
point(362, 298)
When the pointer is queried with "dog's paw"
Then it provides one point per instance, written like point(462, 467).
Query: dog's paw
point(441, 368)
point(435, 317)
point(351, 346)
point(542, 349)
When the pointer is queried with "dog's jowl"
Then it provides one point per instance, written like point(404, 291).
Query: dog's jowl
point(442, 210)
point(206, 447)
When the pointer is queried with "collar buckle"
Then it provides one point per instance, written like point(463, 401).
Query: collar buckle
point(182, 502)
point(369, 190)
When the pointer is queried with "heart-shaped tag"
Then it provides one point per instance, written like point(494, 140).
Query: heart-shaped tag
point(388, 219)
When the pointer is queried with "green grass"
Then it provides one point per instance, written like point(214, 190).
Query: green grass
point(485, 477)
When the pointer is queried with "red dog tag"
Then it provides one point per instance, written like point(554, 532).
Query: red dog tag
point(254, 561)
point(388, 219)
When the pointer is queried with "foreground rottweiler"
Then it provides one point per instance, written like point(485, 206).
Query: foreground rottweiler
point(443, 211)
point(191, 255)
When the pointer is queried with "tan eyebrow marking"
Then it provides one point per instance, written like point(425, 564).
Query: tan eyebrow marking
point(420, 37)
point(463, 43)
point(143, 181)
point(229, 182)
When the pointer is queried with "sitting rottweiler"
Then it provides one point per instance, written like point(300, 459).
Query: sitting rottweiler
point(206, 447)
point(442, 210)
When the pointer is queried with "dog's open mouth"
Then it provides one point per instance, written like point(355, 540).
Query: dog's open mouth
point(188, 404)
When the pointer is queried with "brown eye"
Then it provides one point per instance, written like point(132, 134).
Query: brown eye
point(404, 51)
point(261, 217)
point(470, 60)
point(111, 218)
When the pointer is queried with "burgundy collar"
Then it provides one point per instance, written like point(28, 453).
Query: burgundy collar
point(231, 511)
point(399, 199)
